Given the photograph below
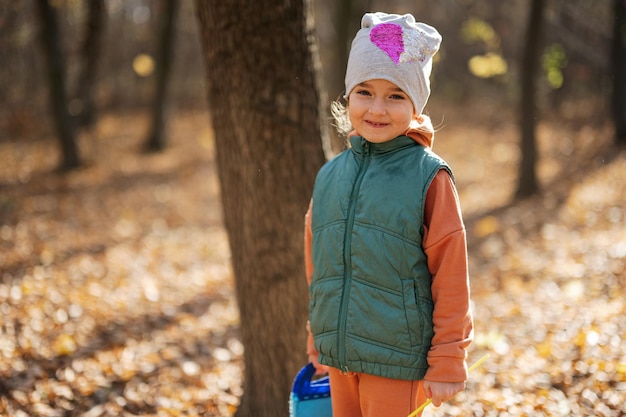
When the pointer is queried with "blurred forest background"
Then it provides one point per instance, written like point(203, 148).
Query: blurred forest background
point(116, 288)
point(479, 60)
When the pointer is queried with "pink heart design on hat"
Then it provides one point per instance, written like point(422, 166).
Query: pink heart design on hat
point(388, 37)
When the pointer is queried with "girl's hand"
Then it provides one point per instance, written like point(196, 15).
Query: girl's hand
point(440, 392)
point(319, 368)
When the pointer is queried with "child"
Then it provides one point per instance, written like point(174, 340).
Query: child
point(385, 247)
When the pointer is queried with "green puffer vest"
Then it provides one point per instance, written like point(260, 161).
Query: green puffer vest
point(371, 304)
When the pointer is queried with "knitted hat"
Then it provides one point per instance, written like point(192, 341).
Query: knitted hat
point(394, 48)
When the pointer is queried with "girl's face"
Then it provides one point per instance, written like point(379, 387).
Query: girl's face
point(379, 110)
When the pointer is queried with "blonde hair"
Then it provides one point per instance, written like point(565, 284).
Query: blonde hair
point(339, 111)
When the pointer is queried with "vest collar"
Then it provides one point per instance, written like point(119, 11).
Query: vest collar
point(360, 145)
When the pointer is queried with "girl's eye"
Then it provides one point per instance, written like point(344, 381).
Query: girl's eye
point(363, 92)
point(397, 97)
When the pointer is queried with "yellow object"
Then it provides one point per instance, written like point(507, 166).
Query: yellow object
point(143, 65)
point(428, 401)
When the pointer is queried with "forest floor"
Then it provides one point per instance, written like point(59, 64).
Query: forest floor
point(117, 296)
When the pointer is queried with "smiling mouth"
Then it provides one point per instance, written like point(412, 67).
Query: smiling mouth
point(377, 124)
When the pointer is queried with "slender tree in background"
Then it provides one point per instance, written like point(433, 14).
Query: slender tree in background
point(91, 50)
point(619, 71)
point(64, 125)
point(527, 177)
point(264, 102)
point(346, 21)
point(156, 140)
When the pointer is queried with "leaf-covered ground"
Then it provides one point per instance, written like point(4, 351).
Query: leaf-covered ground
point(117, 298)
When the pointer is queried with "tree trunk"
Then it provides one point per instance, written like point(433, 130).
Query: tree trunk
point(264, 102)
point(156, 138)
point(527, 184)
point(619, 71)
point(85, 113)
point(56, 83)
point(346, 21)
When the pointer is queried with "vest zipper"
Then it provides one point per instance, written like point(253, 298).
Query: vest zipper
point(347, 258)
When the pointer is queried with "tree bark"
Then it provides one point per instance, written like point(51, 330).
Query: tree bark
point(90, 54)
point(157, 138)
point(347, 21)
point(619, 71)
point(264, 102)
point(527, 181)
point(64, 125)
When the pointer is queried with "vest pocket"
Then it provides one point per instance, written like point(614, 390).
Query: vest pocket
point(376, 314)
point(414, 320)
point(324, 305)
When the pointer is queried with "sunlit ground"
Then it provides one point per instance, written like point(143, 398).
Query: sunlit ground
point(117, 293)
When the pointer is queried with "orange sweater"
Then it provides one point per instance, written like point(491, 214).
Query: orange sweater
point(445, 246)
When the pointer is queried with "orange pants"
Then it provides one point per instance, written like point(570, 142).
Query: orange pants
point(363, 395)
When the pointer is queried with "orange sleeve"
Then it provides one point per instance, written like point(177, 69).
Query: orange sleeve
point(308, 267)
point(446, 248)
point(308, 239)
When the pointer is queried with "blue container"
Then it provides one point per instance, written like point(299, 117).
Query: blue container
point(310, 398)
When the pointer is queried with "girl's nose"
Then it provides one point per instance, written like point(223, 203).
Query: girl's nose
point(377, 106)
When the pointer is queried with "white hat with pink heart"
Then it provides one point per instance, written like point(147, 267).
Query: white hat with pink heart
point(395, 48)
